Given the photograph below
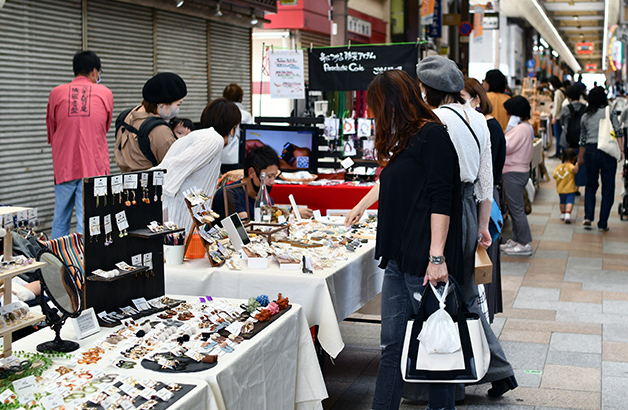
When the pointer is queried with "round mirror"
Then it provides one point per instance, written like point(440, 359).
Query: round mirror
point(60, 285)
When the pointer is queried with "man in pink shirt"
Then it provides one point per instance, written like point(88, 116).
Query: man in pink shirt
point(78, 118)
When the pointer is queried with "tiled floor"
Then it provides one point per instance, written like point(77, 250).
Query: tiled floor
point(564, 327)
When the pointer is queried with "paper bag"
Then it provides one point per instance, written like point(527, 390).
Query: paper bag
point(483, 266)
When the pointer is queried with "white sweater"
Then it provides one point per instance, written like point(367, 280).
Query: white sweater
point(474, 167)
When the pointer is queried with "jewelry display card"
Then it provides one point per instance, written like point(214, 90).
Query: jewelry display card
point(121, 220)
point(100, 186)
point(130, 181)
point(107, 221)
point(116, 184)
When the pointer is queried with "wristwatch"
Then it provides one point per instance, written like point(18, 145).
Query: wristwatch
point(436, 260)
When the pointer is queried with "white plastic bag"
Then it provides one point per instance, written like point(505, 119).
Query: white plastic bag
point(439, 333)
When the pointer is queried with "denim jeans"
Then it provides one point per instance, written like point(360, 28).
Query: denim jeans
point(398, 305)
point(599, 164)
point(558, 130)
point(68, 195)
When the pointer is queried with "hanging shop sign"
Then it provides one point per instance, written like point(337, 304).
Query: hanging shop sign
point(427, 11)
point(591, 67)
point(358, 26)
point(451, 19)
point(286, 74)
point(491, 21)
point(478, 27)
point(465, 28)
point(353, 68)
point(584, 48)
point(436, 28)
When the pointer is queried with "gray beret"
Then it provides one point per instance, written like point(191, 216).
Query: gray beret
point(440, 73)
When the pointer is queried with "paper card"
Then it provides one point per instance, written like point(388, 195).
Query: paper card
point(24, 386)
point(108, 402)
point(158, 178)
point(141, 304)
point(194, 355)
point(235, 328)
point(86, 324)
point(331, 128)
point(94, 225)
point(121, 220)
point(164, 394)
point(52, 402)
point(317, 214)
point(32, 214)
point(364, 127)
point(126, 404)
point(7, 396)
point(136, 260)
point(22, 216)
point(347, 163)
point(126, 387)
point(348, 126)
point(148, 393)
point(100, 186)
point(27, 400)
point(130, 181)
point(116, 184)
point(107, 223)
point(144, 180)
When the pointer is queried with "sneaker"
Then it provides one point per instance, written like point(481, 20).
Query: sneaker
point(586, 224)
point(509, 244)
point(567, 218)
point(603, 229)
point(562, 217)
point(519, 250)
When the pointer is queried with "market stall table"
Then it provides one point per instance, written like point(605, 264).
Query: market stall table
point(328, 296)
point(322, 197)
point(276, 369)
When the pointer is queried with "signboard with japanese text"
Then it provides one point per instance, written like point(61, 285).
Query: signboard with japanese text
point(353, 68)
point(436, 27)
point(286, 74)
point(584, 48)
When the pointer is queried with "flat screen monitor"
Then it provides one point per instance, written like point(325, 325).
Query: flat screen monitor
point(296, 146)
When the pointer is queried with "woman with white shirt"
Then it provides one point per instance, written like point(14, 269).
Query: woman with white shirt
point(194, 161)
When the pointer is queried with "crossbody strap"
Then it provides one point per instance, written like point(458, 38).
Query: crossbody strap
point(468, 126)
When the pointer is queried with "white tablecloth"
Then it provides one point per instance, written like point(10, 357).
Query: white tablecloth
point(276, 369)
point(328, 296)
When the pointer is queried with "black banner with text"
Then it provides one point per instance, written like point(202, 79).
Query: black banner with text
point(353, 68)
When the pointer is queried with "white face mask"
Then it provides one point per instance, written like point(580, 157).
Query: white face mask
point(173, 113)
point(513, 122)
point(424, 96)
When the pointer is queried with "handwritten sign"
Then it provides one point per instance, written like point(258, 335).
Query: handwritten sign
point(286, 74)
point(353, 68)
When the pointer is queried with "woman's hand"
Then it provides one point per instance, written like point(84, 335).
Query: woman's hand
point(354, 215)
point(485, 238)
point(435, 273)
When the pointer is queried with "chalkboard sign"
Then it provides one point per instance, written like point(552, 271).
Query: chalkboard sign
point(353, 68)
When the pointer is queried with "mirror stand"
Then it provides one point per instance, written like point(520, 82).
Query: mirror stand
point(56, 323)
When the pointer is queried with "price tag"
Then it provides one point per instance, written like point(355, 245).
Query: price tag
point(24, 386)
point(148, 260)
point(22, 216)
point(148, 393)
point(107, 221)
point(136, 260)
point(94, 225)
point(116, 184)
point(158, 178)
point(86, 324)
point(164, 394)
point(121, 221)
point(141, 304)
point(130, 181)
point(52, 402)
point(100, 186)
point(235, 328)
point(144, 180)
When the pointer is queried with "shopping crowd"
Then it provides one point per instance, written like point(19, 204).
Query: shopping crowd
point(470, 141)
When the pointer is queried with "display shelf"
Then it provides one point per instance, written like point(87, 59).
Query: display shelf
point(12, 209)
point(96, 278)
point(8, 330)
point(147, 233)
point(4, 274)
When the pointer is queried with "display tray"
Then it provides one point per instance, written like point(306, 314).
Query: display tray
point(143, 313)
point(186, 365)
point(139, 400)
point(147, 233)
point(123, 274)
point(258, 326)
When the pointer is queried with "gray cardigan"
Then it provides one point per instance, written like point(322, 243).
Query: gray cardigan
point(590, 123)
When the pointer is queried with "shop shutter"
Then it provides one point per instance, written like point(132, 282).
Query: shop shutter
point(35, 56)
point(230, 59)
point(181, 48)
point(122, 36)
point(315, 40)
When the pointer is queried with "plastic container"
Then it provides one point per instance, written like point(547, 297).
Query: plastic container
point(174, 254)
point(196, 250)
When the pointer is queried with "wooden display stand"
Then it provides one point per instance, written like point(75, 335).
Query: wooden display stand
point(5, 278)
point(107, 294)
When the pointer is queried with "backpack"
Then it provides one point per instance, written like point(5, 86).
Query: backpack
point(142, 134)
point(572, 128)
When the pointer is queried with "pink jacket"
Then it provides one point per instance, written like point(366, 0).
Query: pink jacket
point(519, 142)
point(78, 118)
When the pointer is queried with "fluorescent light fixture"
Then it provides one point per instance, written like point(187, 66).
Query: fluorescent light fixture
point(542, 40)
point(218, 12)
point(180, 2)
point(576, 18)
point(560, 39)
point(555, 53)
point(254, 20)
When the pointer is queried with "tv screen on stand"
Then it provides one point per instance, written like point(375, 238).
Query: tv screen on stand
point(297, 147)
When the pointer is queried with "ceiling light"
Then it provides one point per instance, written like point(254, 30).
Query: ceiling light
point(254, 20)
point(542, 40)
point(180, 2)
point(576, 18)
point(555, 53)
point(218, 12)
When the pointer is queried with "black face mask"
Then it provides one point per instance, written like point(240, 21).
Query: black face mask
point(256, 187)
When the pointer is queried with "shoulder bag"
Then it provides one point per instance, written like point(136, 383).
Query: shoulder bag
point(606, 140)
point(468, 364)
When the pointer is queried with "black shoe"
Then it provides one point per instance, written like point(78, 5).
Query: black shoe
point(578, 193)
point(502, 386)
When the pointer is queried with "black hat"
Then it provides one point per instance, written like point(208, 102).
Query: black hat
point(440, 73)
point(519, 106)
point(164, 88)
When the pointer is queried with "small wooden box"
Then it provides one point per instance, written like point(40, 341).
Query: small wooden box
point(483, 266)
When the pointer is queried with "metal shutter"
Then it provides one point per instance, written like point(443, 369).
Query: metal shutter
point(181, 48)
point(35, 56)
point(122, 36)
point(230, 59)
point(306, 39)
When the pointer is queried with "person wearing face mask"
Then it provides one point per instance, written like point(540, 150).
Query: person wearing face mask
point(259, 159)
point(194, 161)
point(140, 146)
point(495, 86)
point(230, 155)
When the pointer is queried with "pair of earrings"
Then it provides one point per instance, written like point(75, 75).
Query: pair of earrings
point(108, 239)
point(129, 203)
point(145, 197)
point(123, 233)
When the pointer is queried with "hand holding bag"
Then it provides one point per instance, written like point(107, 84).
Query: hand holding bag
point(606, 140)
point(465, 365)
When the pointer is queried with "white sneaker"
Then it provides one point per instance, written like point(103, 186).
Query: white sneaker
point(562, 217)
point(509, 244)
point(519, 250)
point(567, 218)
